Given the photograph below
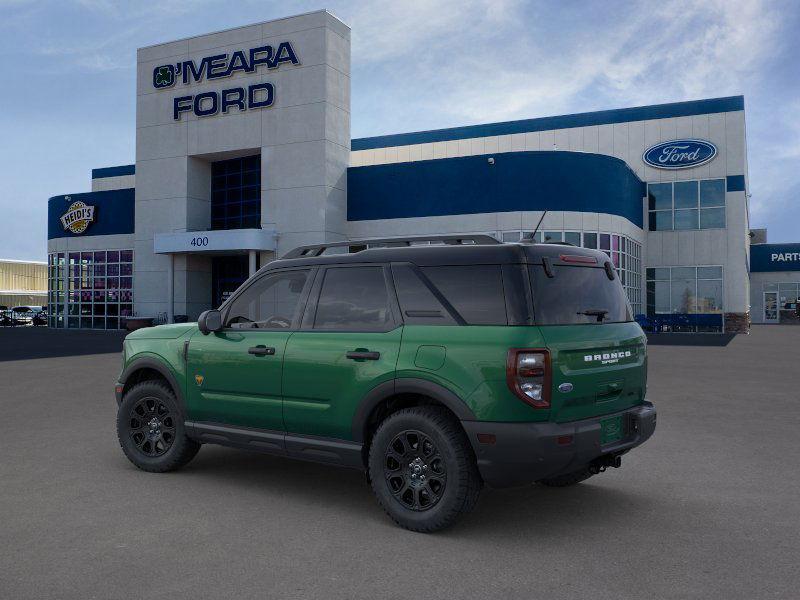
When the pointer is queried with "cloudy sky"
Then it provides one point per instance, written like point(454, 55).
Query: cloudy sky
point(68, 78)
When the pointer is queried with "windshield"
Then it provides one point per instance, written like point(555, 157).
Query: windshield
point(577, 295)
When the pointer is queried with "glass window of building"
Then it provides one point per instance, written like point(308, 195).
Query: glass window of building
point(686, 205)
point(236, 193)
point(685, 298)
point(553, 236)
point(90, 290)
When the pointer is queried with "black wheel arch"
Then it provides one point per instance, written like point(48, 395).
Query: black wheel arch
point(398, 388)
point(143, 369)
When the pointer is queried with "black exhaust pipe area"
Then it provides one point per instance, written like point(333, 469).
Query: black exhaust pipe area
point(604, 462)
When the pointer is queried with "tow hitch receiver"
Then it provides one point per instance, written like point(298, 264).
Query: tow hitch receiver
point(604, 462)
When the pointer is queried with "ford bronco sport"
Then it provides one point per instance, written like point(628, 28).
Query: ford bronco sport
point(436, 369)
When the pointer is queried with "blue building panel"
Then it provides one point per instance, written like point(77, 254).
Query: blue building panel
point(517, 181)
point(736, 183)
point(113, 213)
point(766, 258)
point(113, 171)
point(602, 117)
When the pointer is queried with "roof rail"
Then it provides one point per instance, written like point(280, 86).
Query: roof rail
point(451, 240)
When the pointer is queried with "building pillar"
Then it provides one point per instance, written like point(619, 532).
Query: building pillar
point(251, 254)
point(171, 288)
point(65, 284)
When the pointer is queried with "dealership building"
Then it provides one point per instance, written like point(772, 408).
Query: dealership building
point(243, 152)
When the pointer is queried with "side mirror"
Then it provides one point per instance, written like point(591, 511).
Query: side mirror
point(210, 321)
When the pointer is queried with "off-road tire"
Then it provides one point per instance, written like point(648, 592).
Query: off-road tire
point(172, 448)
point(448, 450)
point(568, 478)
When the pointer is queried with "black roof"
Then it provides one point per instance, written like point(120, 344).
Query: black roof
point(433, 255)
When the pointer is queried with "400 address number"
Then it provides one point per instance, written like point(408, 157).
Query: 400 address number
point(199, 242)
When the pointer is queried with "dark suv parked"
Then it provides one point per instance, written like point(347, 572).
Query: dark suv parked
point(435, 368)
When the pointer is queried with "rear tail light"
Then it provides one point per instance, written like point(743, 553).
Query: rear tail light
point(528, 375)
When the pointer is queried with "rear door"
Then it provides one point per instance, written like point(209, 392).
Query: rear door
point(597, 351)
point(348, 344)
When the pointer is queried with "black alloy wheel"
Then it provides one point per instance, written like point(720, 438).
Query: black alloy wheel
point(152, 427)
point(422, 468)
point(415, 470)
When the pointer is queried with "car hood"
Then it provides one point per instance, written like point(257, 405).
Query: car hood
point(162, 332)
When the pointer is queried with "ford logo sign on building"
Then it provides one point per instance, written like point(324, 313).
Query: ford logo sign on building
point(679, 154)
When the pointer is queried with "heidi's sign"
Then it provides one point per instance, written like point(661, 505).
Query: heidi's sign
point(679, 154)
point(78, 217)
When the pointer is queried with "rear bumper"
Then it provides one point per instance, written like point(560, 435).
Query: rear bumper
point(527, 452)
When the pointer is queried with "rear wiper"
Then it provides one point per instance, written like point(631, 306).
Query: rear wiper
point(595, 312)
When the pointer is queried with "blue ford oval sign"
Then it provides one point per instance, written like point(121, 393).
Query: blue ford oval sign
point(679, 154)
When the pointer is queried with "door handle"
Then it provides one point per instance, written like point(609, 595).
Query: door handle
point(261, 350)
point(363, 355)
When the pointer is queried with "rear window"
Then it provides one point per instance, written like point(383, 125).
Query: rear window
point(475, 291)
point(577, 295)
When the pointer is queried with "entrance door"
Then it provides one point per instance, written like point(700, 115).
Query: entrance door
point(227, 274)
point(234, 376)
point(770, 307)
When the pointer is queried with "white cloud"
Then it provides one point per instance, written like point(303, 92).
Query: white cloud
point(494, 61)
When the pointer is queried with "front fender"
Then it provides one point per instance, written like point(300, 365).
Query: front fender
point(159, 364)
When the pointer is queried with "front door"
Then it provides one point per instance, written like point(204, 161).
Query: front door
point(770, 307)
point(347, 345)
point(234, 376)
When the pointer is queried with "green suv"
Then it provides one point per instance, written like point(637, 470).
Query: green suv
point(434, 368)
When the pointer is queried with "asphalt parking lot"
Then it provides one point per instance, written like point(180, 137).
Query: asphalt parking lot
point(709, 508)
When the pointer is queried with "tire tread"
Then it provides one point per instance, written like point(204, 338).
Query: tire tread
point(184, 448)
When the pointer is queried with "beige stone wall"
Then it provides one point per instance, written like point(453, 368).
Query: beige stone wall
point(22, 283)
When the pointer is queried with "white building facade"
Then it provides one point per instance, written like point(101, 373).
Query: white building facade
point(243, 151)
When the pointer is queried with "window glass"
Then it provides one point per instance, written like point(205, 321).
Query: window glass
point(590, 240)
point(566, 298)
point(661, 220)
point(353, 299)
point(552, 236)
point(235, 193)
point(709, 272)
point(658, 297)
point(271, 302)
point(511, 236)
point(476, 292)
point(709, 296)
point(683, 295)
point(417, 303)
point(573, 237)
point(684, 272)
point(686, 194)
point(661, 273)
point(712, 192)
point(605, 241)
point(770, 287)
point(686, 219)
point(659, 196)
point(712, 218)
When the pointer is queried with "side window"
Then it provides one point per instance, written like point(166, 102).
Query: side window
point(353, 299)
point(476, 292)
point(419, 305)
point(272, 302)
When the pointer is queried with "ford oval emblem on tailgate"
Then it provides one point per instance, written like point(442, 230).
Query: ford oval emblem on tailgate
point(565, 387)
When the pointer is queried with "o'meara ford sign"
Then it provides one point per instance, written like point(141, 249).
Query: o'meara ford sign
point(220, 66)
point(679, 154)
